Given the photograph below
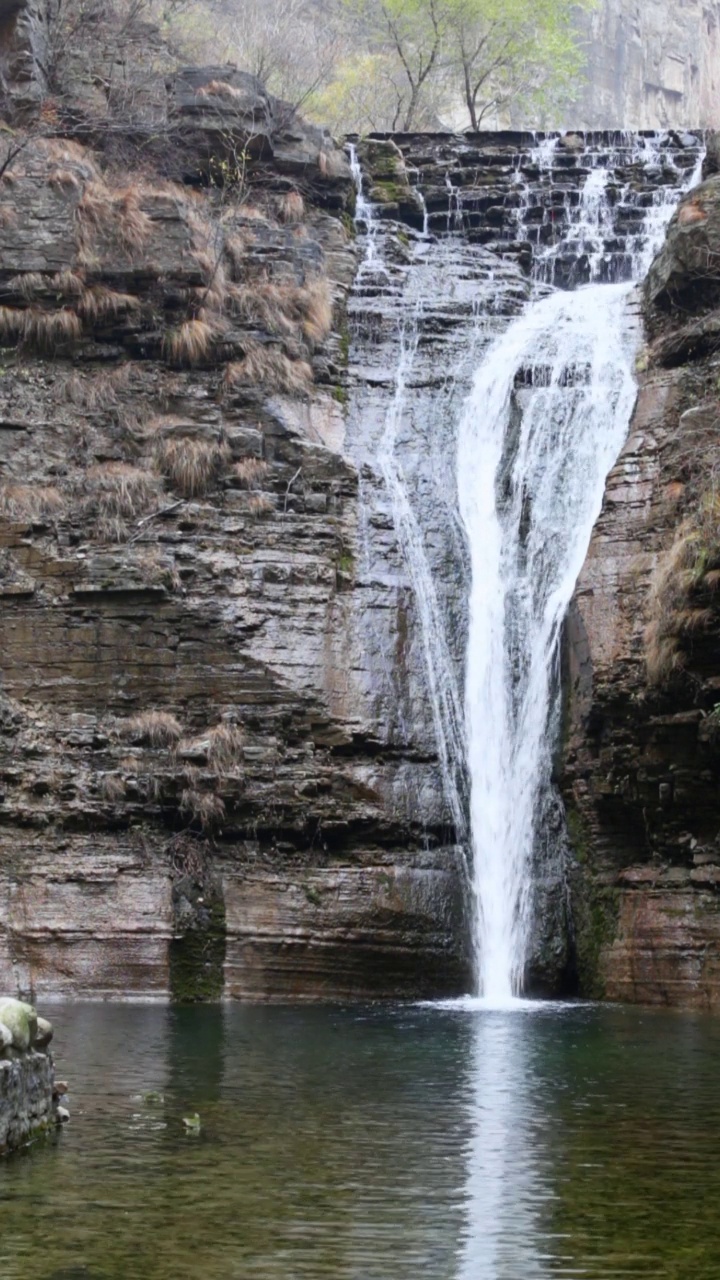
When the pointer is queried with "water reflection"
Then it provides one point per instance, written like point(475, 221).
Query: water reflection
point(448, 1143)
point(504, 1186)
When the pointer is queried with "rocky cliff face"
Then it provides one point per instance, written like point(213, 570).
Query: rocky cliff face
point(641, 765)
point(199, 788)
point(651, 66)
point(228, 673)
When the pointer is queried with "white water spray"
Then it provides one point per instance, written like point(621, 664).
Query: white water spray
point(545, 421)
point(528, 528)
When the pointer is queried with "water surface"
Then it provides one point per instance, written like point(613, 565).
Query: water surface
point(374, 1144)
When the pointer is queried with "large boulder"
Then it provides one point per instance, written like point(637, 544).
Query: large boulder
point(6, 1040)
point(228, 122)
point(686, 272)
point(21, 1021)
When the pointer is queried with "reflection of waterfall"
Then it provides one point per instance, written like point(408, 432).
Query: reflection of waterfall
point(544, 423)
point(505, 1181)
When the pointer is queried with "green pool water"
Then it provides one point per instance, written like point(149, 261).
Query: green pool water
point(413, 1143)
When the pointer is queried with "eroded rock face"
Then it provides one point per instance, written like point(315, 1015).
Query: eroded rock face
point(220, 770)
point(651, 66)
point(642, 762)
point(201, 792)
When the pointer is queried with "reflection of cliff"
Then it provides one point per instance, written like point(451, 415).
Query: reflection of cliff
point(652, 65)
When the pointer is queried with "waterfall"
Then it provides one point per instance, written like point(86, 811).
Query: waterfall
point(545, 421)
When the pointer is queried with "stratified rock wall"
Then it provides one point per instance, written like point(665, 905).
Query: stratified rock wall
point(651, 65)
point(642, 758)
point(220, 761)
point(201, 789)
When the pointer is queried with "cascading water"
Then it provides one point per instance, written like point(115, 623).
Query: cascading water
point(546, 419)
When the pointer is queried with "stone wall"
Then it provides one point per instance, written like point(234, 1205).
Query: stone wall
point(28, 1099)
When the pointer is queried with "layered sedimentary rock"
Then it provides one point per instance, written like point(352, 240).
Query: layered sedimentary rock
point(221, 763)
point(202, 789)
point(642, 762)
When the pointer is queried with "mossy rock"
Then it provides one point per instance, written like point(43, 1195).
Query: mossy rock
point(21, 1021)
point(595, 918)
point(197, 957)
point(383, 160)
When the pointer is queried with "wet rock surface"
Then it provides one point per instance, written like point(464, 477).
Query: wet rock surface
point(220, 759)
point(28, 1098)
point(641, 763)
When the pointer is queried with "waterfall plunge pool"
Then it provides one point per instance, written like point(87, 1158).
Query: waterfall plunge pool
point(447, 1142)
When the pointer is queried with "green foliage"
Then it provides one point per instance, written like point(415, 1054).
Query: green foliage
point(516, 56)
point(419, 58)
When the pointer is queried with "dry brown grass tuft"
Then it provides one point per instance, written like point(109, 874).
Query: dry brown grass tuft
point(43, 330)
point(28, 284)
point(189, 344)
point(269, 369)
point(225, 744)
point(285, 309)
point(69, 284)
point(100, 303)
point(291, 208)
point(315, 305)
point(116, 214)
point(191, 466)
point(117, 491)
point(112, 787)
point(65, 151)
point(95, 209)
point(686, 575)
point(96, 391)
point(212, 293)
point(48, 330)
point(64, 180)
point(220, 89)
point(202, 807)
point(249, 471)
point(152, 728)
point(134, 225)
point(265, 305)
point(260, 505)
point(29, 501)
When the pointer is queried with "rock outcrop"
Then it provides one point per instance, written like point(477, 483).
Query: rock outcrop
point(200, 789)
point(221, 760)
point(29, 1101)
point(643, 750)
